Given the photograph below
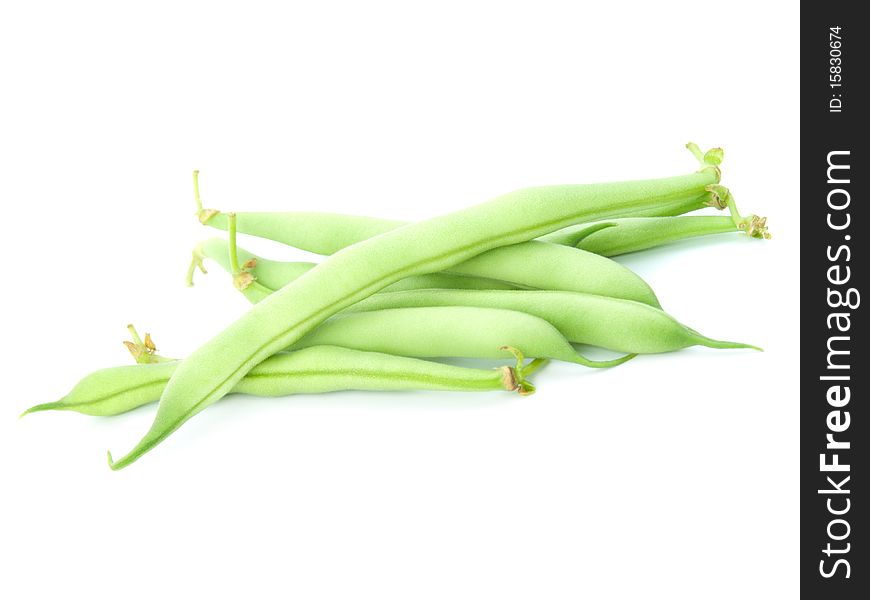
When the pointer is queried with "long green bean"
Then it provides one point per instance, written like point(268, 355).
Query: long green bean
point(314, 370)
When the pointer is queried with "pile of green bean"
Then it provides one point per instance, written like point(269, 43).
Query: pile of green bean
point(526, 274)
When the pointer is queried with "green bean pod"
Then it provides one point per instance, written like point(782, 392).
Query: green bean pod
point(534, 265)
point(314, 370)
point(448, 331)
point(612, 323)
point(622, 236)
point(320, 233)
point(553, 267)
point(275, 274)
point(358, 271)
point(327, 233)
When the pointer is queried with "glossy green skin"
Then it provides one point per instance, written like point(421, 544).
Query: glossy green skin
point(275, 274)
point(445, 331)
point(359, 271)
point(310, 371)
point(633, 235)
point(612, 323)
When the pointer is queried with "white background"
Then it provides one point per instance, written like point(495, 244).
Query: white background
point(673, 476)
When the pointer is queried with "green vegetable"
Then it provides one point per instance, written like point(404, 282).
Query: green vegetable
point(275, 274)
point(448, 331)
point(532, 264)
point(310, 371)
point(622, 236)
point(358, 271)
point(612, 323)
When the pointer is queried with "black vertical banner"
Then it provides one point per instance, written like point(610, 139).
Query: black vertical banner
point(835, 433)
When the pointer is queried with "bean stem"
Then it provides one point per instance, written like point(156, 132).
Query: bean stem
point(196, 262)
point(144, 351)
point(196, 192)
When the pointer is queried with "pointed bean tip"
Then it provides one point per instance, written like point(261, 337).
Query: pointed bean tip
point(722, 345)
point(39, 408)
point(124, 461)
point(742, 346)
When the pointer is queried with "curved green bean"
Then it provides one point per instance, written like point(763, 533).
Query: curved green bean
point(448, 331)
point(313, 370)
point(552, 267)
point(632, 235)
point(531, 265)
point(359, 271)
point(622, 236)
point(327, 233)
point(612, 323)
